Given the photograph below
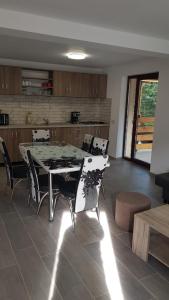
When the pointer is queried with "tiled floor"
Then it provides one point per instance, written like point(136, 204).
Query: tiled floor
point(144, 155)
point(45, 261)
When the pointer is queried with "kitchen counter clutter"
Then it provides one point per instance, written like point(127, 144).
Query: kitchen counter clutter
point(63, 132)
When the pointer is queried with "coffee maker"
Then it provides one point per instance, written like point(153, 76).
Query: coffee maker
point(75, 115)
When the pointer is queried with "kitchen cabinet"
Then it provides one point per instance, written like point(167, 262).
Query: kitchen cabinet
point(82, 85)
point(102, 84)
point(10, 80)
point(61, 83)
point(72, 135)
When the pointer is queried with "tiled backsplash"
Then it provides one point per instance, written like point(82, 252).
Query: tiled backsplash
point(54, 109)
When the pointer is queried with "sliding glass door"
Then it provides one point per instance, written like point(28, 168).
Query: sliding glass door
point(140, 117)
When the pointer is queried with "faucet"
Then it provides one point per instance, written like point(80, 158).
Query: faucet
point(46, 121)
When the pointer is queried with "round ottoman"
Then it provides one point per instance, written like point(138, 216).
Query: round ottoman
point(127, 204)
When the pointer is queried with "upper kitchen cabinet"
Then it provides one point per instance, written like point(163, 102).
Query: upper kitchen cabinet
point(102, 84)
point(82, 85)
point(37, 82)
point(98, 85)
point(62, 83)
point(10, 80)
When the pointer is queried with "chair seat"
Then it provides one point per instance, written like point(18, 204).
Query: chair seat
point(19, 171)
point(75, 175)
point(44, 182)
point(68, 188)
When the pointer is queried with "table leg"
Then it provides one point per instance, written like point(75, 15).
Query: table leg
point(51, 210)
point(141, 238)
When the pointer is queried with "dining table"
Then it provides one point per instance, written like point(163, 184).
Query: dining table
point(55, 158)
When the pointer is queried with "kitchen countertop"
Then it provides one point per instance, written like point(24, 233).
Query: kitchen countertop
point(53, 125)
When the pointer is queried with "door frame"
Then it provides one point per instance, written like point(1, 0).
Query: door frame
point(138, 77)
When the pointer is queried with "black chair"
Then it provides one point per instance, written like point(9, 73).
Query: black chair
point(86, 146)
point(87, 142)
point(83, 194)
point(15, 173)
point(40, 135)
point(39, 188)
point(99, 146)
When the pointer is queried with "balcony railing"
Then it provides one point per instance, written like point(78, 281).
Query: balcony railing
point(144, 133)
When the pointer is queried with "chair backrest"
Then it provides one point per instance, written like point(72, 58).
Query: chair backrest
point(99, 146)
point(7, 162)
point(88, 188)
point(33, 177)
point(87, 142)
point(40, 135)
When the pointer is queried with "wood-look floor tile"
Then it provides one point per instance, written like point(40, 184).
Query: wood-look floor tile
point(6, 254)
point(131, 288)
point(85, 266)
point(158, 286)
point(11, 285)
point(16, 231)
point(21, 202)
point(6, 206)
point(138, 267)
point(41, 238)
point(66, 279)
point(38, 280)
point(78, 292)
point(159, 267)
point(126, 239)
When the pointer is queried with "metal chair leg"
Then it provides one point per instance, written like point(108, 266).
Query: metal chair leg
point(29, 199)
point(56, 200)
point(72, 214)
point(102, 190)
point(73, 220)
point(15, 187)
point(40, 203)
point(98, 213)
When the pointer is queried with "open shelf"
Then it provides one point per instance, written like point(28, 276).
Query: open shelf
point(35, 82)
point(159, 248)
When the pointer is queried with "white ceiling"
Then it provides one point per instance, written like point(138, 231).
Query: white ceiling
point(144, 17)
point(28, 49)
point(105, 48)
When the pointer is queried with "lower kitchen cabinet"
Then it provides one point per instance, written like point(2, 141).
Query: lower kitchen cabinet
point(72, 135)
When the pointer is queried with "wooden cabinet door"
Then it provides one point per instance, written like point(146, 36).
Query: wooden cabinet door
point(56, 134)
point(10, 80)
point(14, 83)
point(61, 83)
point(94, 87)
point(102, 86)
point(11, 137)
point(85, 85)
point(2, 81)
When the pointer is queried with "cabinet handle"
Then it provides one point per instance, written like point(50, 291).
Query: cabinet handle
point(6, 86)
point(2, 85)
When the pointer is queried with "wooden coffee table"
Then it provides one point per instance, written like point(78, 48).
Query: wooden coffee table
point(144, 223)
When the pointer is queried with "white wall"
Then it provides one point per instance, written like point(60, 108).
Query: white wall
point(117, 84)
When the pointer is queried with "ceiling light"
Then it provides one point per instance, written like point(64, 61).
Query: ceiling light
point(76, 55)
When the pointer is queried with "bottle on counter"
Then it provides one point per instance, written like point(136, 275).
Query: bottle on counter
point(28, 118)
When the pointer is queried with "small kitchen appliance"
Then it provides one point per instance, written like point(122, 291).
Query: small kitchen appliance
point(4, 119)
point(75, 116)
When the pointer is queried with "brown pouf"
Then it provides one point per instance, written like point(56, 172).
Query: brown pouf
point(127, 204)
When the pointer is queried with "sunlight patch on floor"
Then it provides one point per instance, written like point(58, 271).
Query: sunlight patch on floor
point(109, 260)
point(65, 224)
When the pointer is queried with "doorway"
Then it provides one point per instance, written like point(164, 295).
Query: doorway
point(140, 117)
